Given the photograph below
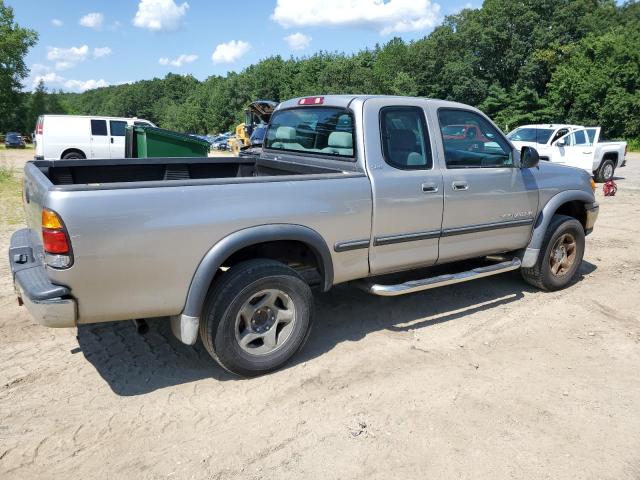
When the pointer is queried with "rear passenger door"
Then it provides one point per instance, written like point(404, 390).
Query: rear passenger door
point(489, 204)
point(407, 187)
point(117, 130)
point(99, 139)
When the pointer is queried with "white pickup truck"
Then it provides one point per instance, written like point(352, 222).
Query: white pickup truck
point(574, 146)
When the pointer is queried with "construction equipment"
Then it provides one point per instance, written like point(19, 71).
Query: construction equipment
point(257, 113)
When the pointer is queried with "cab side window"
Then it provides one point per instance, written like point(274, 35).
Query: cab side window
point(98, 127)
point(405, 140)
point(580, 138)
point(470, 141)
point(559, 134)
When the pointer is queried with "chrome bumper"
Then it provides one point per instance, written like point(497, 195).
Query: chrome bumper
point(49, 304)
point(592, 210)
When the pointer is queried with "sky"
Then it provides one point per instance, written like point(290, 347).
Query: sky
point(93, 43)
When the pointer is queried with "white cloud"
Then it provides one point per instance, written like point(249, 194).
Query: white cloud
point(178, 62)
point(230, 52)
point(82, 85)
point(101, 52)
point(298, 41)
point(67, 57)
point(92, 20)
point(56, 23)
point(392, 16)
point(160, 15)
point(47, 78)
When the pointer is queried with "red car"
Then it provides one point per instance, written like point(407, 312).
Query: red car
point(464, 132)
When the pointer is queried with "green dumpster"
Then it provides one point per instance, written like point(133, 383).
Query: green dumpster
point(145, 141)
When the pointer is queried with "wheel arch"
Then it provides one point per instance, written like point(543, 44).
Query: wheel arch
point(72, 150)
point(609, 156)
point(242, 239)
point(571, 203)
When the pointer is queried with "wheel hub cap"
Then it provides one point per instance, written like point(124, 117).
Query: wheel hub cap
point(263, 319)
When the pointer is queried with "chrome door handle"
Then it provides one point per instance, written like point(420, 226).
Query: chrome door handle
point(460, 186)
point(588, 151)
point(429, 188)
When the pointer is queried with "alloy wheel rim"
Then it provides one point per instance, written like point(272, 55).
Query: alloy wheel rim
point(265, 322)
point(563, 255)
point(608, 171)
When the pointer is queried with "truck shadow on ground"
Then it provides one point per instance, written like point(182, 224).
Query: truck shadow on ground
point(134, 364)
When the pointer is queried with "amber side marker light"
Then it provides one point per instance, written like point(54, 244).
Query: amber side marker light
point(55, 240)
point(593, 185)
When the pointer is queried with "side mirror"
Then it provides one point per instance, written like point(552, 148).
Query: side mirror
point(529, 157)
point(560, 143)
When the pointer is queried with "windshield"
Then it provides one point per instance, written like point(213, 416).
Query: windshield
point(453, 130)
point(319, 130)
point(13, 136)
point(535, 135)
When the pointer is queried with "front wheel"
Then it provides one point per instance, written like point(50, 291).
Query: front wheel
point(257, 316)
point(560, 256)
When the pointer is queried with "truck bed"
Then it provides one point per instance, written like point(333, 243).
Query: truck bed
point(129, 172)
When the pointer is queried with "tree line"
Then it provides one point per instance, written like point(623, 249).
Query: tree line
point(575, 61)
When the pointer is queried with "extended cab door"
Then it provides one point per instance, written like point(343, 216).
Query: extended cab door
point(116, 138)
point(407, 187)
point(576, 149)
point(489, 204)
point(99, 139)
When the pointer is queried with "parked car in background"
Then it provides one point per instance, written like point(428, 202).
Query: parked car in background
point(573, 145)
point(346, 188)
point(221, 142)
point(14, 140)
point(75, 137)
point(540, 137)
point(583, 148)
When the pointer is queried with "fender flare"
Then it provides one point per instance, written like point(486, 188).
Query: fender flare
point(236, 241)
point(530, 256)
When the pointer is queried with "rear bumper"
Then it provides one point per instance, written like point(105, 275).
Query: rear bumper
point(49, 304)
point(592, 210)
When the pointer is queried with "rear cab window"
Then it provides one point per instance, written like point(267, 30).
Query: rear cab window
point(326, 131)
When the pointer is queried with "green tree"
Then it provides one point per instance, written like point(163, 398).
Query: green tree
point(15, 41)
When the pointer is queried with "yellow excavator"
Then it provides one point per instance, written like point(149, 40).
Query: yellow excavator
point(256, 114)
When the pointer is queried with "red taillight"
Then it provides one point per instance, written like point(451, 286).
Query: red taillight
point(311, 101)
point(40, 127)
point(55, 241)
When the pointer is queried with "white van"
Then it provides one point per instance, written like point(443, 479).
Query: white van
point(76, 136)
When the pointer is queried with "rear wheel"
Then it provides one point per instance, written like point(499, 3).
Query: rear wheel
point(256, 317)
point(73, 155)
point(560, 256)
point(606, 171)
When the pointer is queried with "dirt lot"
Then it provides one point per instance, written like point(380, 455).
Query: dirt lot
point(490, 379)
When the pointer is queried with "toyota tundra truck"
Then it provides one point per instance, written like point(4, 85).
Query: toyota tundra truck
point(346, 189)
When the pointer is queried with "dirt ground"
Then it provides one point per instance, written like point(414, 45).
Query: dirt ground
point(490, 379)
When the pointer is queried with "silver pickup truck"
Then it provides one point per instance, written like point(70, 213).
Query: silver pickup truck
point(346, 188)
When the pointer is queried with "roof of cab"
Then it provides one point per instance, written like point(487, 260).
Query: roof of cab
point(550, 125)
point(343, 101)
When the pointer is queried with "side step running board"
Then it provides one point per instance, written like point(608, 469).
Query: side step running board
point(441, 280)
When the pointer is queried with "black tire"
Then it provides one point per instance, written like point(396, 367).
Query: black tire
point(541, 275)
point(606, 171)
point(73, 156)
point(236, 287)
